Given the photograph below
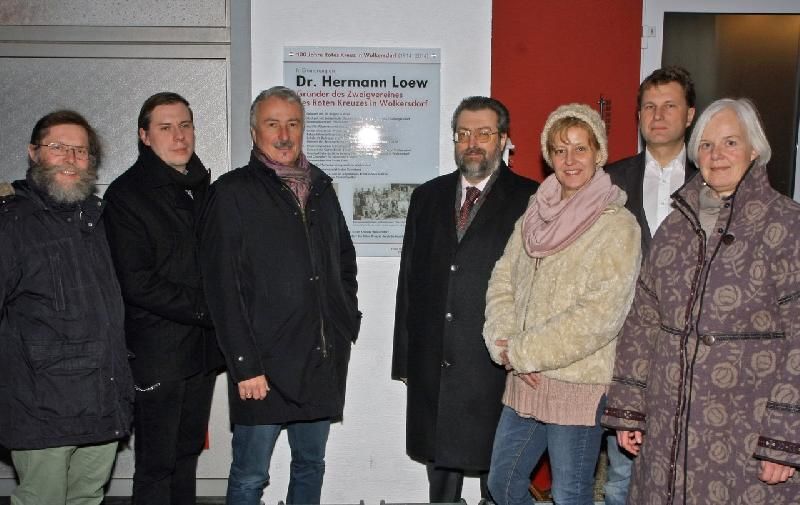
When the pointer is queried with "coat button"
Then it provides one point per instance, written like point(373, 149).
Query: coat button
point(453, 268)
point(446, 364)
point(448, 317)
point(240, 358)
point(709, 339)
point(728, 239)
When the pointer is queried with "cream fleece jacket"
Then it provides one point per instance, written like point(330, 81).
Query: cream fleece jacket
point(561, 314)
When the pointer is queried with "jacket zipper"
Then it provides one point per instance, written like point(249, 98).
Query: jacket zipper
point(687, 330)
point(323, 340)
point(536, 263)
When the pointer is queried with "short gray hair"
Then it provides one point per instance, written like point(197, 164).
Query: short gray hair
point(281, 92)
point(749, 119)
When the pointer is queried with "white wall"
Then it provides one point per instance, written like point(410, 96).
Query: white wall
point(366, 457)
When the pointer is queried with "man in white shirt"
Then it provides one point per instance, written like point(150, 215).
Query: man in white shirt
point(666, 103)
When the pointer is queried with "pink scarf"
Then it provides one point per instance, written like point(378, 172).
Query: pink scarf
point(298, 177)
point(550, 224)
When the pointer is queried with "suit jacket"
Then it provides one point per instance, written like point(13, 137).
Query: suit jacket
point(628, 174)
point(454, 389)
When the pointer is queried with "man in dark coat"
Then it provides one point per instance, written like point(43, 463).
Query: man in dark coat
point(66, 391)
point(457, 227)
point(666, 104)
point(151, 214)
point(280, 273)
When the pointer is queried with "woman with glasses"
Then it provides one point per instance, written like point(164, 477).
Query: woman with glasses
point(556, 301)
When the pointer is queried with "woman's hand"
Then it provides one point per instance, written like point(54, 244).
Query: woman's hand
point(532, 379)
point(775, 473)
point(503, 342)
point(631, 440)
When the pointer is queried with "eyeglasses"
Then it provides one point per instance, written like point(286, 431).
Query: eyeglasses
point(61, 150)
point(482, 136)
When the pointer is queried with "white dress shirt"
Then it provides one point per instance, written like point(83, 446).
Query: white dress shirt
point(659, 183)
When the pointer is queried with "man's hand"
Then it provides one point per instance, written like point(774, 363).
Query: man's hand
point(254, 389)
point(775, 473)
point(631, 441)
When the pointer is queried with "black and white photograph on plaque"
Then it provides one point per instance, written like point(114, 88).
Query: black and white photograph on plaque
point(381, 202)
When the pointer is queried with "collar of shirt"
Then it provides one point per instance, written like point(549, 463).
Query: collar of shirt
point(652, 167)
point(465, 184)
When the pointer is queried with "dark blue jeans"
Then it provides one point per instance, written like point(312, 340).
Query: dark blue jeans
point(620, 465)
point(252, 452)
point(519, 444)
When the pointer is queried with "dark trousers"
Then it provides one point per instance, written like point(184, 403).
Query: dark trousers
point(170, 423)
point(446, 483)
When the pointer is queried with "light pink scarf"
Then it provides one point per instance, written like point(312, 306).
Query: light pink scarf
point(551, 224)
point(298, 177)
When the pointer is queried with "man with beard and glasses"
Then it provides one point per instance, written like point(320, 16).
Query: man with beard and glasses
point(457, 227)
point(280, 274)
point(151, 216)
point(66, 390)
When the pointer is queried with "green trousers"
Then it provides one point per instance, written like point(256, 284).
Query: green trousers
point(69, 475)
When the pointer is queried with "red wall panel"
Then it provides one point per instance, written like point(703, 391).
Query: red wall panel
point(547, 53)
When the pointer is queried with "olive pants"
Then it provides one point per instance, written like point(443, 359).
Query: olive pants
point(69, 475)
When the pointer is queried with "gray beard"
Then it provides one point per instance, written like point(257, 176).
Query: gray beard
point(44, 176)
point(478, 169)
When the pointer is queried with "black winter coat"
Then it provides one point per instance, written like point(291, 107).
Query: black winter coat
point(454, 389)
point(281, 287)
point(150, 221)
point(64, 375)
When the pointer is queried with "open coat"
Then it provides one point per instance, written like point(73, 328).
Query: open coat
point(454, 389)
point(628, 174)
point(708, 363)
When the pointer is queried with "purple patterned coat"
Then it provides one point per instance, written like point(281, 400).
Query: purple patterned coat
point(708, 363)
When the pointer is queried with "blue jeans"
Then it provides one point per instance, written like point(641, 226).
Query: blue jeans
point(620, 464)
point(252, 452)
point(519, 444)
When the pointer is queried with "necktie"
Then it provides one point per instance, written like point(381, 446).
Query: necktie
point(473, 194)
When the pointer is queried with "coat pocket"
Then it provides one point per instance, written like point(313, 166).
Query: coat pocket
point(68, 380)
point(65, 358)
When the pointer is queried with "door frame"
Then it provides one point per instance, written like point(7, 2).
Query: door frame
point(653, 33)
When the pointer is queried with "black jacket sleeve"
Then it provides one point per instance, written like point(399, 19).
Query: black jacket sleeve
point(224, 275)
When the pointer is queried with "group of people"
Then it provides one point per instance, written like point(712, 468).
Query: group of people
point(657, 297)
point(654, 301)
point(114, 311)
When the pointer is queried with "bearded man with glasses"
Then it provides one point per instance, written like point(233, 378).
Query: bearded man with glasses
point(65, 387)
point(456, 229)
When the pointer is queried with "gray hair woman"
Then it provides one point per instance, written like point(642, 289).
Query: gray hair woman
point(555, 303)
point(707, 380)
